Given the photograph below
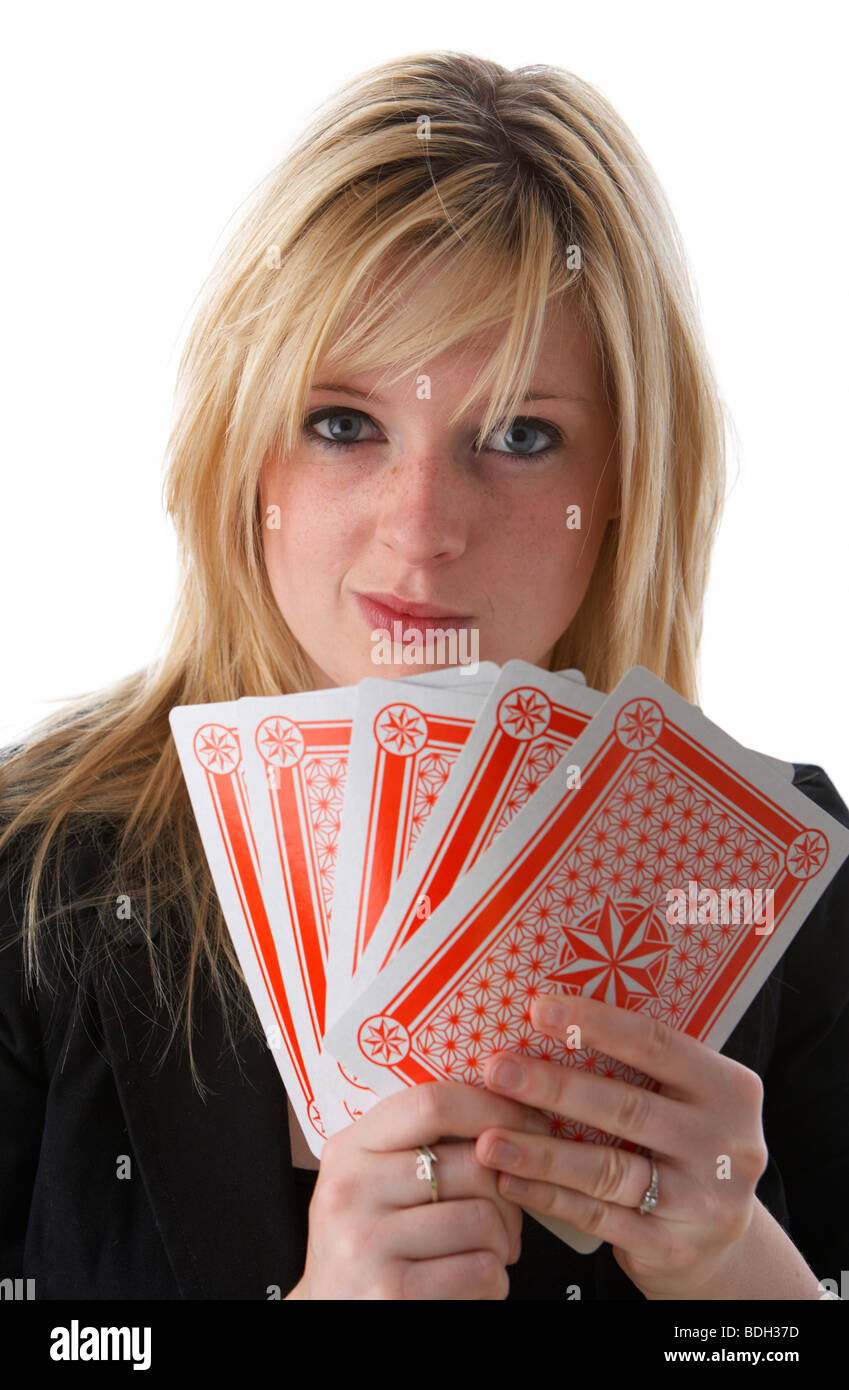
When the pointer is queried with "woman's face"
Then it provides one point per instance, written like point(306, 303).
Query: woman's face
point(405, 521)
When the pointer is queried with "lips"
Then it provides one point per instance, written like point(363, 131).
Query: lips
point(406, 608)
point(381, 610)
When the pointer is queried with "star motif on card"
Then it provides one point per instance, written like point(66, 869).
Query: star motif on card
point(280, 742)
point(639, 723)
point(217, 748)
point(353, 1080)
point(807, 854)
point(524, 713)
point(400, 729)
point(383, 1040)
point(315, 1119)
point(616, 954)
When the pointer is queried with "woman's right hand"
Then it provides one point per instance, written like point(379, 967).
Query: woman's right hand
point(374, 1232)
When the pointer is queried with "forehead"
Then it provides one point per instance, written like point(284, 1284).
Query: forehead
point(566, 358)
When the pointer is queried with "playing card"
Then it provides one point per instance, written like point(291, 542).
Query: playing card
point(532, 717)
point(435, 862)
point(460, 677)
point(295, 749)
point(525, 728)
point(402, 751)
point(484, 678)
point(660, 867)
point(208, 745)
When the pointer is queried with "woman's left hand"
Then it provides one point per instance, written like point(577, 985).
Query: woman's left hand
point(703, 1128)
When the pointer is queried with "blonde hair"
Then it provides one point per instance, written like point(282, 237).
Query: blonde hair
point(511, 187)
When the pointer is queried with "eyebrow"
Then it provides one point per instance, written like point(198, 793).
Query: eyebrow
point(533, 395)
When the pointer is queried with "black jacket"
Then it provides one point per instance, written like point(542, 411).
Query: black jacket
point(213, 1208)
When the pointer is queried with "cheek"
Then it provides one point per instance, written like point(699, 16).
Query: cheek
point(315, 529)
point(554, 536)
point(542, 555)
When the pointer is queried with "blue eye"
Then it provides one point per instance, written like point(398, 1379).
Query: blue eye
point(351, 422)
point(525, 433)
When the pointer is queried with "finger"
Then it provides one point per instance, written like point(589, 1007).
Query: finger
point(639, 1234)
point(643, 1117)
point(478, 1274)
point(445, 1228)
point(458, 1174)
point(429, 1112)
point(602, 1171)
point(685, 1066)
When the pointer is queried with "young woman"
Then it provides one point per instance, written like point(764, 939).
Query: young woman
point(457, 308)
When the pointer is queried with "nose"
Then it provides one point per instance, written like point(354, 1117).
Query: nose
point(426, 505)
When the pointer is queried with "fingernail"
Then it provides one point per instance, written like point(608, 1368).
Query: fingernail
point(551, 1013)
point(503, 1155)
point(508, 1074)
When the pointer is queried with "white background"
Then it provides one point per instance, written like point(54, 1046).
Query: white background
point(133, 132)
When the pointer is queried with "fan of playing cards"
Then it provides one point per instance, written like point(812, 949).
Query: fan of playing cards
point(404, 864)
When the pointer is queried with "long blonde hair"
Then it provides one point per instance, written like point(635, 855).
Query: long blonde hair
point(513, 187)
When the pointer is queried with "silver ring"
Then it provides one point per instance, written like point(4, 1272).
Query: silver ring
point(650, 1196)
point(424, 1169)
